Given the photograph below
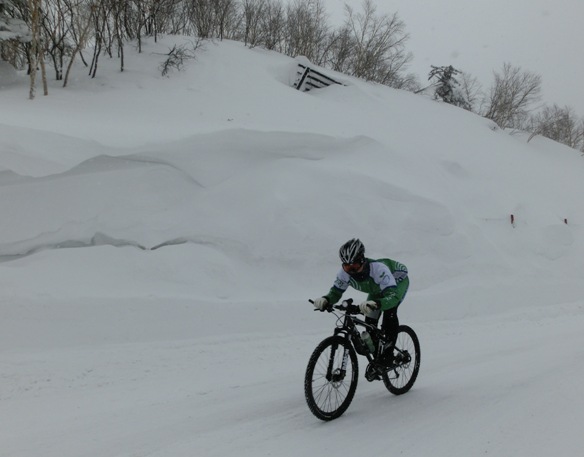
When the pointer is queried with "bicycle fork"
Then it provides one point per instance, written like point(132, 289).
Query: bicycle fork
point(338, 374)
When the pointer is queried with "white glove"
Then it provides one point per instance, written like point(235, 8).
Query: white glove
point(320, 303)
point(368, 307)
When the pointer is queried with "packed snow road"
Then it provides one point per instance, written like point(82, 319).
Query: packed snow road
point(177, 378)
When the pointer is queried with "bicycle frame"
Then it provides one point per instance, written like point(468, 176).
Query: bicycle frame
point(349, 330)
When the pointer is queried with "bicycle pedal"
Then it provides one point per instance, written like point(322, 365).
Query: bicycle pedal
point(372, 373)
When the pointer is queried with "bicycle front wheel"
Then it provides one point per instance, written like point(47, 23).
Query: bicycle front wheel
point(401, 377)
point(331, 378)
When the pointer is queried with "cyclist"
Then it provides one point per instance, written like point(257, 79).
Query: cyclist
point(384, 280)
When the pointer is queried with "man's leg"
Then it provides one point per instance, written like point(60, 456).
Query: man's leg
point(390, 321)
point(390, 324)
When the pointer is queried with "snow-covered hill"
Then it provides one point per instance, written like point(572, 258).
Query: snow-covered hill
point(161, 235)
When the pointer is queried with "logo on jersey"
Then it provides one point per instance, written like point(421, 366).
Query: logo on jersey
point(384, 280)
point(340, 284)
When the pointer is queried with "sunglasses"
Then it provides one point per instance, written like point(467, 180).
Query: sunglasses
point(352, 268)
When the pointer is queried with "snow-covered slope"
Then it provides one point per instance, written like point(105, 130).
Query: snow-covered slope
point(160, 237)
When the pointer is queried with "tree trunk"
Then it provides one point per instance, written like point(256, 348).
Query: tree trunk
point(34, 6)
point(44, 75)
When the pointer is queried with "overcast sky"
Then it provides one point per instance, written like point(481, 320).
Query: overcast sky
point(478, 36)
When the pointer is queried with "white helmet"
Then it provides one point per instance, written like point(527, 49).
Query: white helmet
point(353, 251)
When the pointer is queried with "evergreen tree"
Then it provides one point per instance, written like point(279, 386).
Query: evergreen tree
point(10, 27)
point(447, 86)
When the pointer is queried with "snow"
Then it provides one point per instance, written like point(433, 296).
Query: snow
point(161, 236)
point(14, 29)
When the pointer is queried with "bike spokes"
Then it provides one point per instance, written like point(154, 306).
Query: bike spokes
point(331, 378)
point(406, 362)
point(332, 388)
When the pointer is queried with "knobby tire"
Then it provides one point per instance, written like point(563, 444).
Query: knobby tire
point(400, 379)
point(329, 398)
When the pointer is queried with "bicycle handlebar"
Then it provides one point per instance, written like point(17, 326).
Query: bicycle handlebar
point(346, 306)
point(349, 308)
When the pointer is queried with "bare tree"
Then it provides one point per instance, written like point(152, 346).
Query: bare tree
point(140, 18)
point(340, 50)
point(273, 24)
point(559, 124)
point(99, 16)
point(472, 91)
point(81, 19)
point(177, 57)
point(202, 16)
point(253, 11)
point(228, 19)
point(511, 97)
point(35, 44)
point(118, 10)
point(179, 22)
point(261, 23)
point(55, 29)
point(378, 46)
point(148, 17)
point(306, 30)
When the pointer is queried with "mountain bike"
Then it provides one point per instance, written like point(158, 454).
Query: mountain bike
point(332, 373)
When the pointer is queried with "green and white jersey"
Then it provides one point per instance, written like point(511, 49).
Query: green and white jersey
point(386, 283)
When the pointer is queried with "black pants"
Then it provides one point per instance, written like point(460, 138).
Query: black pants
point(389, 323)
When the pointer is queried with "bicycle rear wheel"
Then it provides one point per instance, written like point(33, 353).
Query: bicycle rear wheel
point(401, 377)
point(329, 387)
